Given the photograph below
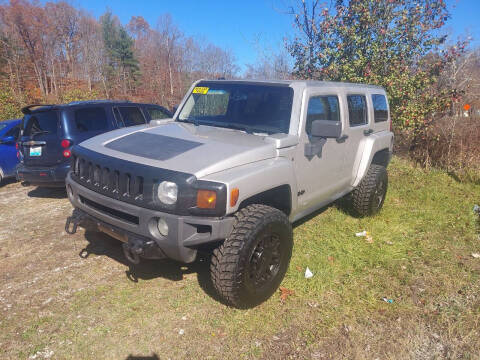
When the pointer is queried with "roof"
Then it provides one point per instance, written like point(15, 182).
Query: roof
point(45, 107)
point(306, 83)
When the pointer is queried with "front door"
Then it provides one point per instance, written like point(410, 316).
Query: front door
point(323, 176)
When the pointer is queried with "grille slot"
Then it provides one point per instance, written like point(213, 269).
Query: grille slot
point(109, 211)
point(122, 185)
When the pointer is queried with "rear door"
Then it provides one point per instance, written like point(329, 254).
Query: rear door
point(41, 138)
point(360, 126)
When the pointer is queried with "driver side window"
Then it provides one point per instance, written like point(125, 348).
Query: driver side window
point(323, 107)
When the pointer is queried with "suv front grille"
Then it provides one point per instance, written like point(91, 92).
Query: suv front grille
point(108, 180)
point(137, 183)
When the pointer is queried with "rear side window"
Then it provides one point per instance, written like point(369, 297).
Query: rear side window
point(157, 113)
point(91, 119)
point(131, 115)
point(357, 109)
point(41, 122)
point(322, 108)
point(380, 108)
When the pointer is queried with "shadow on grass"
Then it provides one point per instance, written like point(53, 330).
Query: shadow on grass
point(48, 192)
point(104, 245)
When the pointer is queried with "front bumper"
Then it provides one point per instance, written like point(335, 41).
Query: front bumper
point(43, 176)
point(185, 233)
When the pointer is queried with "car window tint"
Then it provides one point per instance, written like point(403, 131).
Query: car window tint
point(157, 113)
point(41, 122)
point(131, 116)
point(380, 108)
point(91, 119)
point(322, 108)
point(15, 131)
point(357, 109)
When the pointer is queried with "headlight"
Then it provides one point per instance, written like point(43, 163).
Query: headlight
point(167, 192)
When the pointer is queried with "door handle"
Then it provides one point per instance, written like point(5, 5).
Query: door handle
point(367, 132)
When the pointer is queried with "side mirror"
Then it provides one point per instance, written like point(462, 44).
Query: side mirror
point(321, 130)
point(326, 129)
point(7, 140)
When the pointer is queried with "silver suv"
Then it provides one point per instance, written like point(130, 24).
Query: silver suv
point(239, 163)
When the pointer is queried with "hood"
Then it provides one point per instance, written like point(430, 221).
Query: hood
point(198, 150)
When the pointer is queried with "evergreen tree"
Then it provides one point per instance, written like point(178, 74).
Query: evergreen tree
point(121, 65)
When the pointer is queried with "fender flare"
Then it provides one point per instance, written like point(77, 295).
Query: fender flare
point(371, 145)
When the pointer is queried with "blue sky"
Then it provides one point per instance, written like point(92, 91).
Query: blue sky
point(249, 26)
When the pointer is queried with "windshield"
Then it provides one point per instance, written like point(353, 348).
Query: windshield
point(45, 122)
point(2, 126)
point(248, 107)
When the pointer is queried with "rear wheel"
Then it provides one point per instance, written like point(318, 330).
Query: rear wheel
point(368, 198)
point(250, 265)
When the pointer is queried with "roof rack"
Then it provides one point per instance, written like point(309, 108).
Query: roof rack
point(28, 109)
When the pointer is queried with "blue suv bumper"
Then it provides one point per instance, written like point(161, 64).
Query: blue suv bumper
point(43, 176)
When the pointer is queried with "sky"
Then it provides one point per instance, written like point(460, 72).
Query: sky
point(249, 27)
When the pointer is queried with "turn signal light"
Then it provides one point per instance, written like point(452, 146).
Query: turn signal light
point(234, 197)
point(206, 199)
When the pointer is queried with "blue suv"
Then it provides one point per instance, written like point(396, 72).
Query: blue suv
point(9, 131)
point(48, 133)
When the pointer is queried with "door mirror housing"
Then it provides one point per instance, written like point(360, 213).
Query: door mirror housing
point(326, 129)
point(8, 140)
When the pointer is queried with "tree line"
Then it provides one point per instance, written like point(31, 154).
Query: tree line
point(58, 53)
point(54, 52)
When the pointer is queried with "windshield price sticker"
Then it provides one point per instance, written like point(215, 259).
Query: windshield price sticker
point(200, 90)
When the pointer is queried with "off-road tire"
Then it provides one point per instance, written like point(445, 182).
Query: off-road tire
point(235, 264)
point(368, 197)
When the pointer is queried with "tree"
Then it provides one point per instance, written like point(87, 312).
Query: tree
point(393, 43)
point(122, 63)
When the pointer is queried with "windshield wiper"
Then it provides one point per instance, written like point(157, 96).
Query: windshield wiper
point(193, 121)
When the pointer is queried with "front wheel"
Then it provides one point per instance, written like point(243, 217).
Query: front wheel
point(368, 197)
point(251, 263)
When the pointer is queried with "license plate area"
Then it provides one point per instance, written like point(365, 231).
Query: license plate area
point(36, 151)
point(112, 233)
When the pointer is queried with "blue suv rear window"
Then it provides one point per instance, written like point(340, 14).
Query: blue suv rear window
point(91, 119)
point(40, 122)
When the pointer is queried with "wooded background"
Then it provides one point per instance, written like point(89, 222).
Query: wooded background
point(55, 53)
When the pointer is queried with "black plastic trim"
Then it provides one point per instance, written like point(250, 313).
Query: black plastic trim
point(152, 177)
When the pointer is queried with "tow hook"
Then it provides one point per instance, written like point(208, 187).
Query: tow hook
point(132, 250)
point(73, 221)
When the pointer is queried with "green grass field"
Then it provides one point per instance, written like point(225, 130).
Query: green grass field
point(420, 258)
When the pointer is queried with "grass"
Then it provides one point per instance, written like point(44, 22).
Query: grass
point(420, 258)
